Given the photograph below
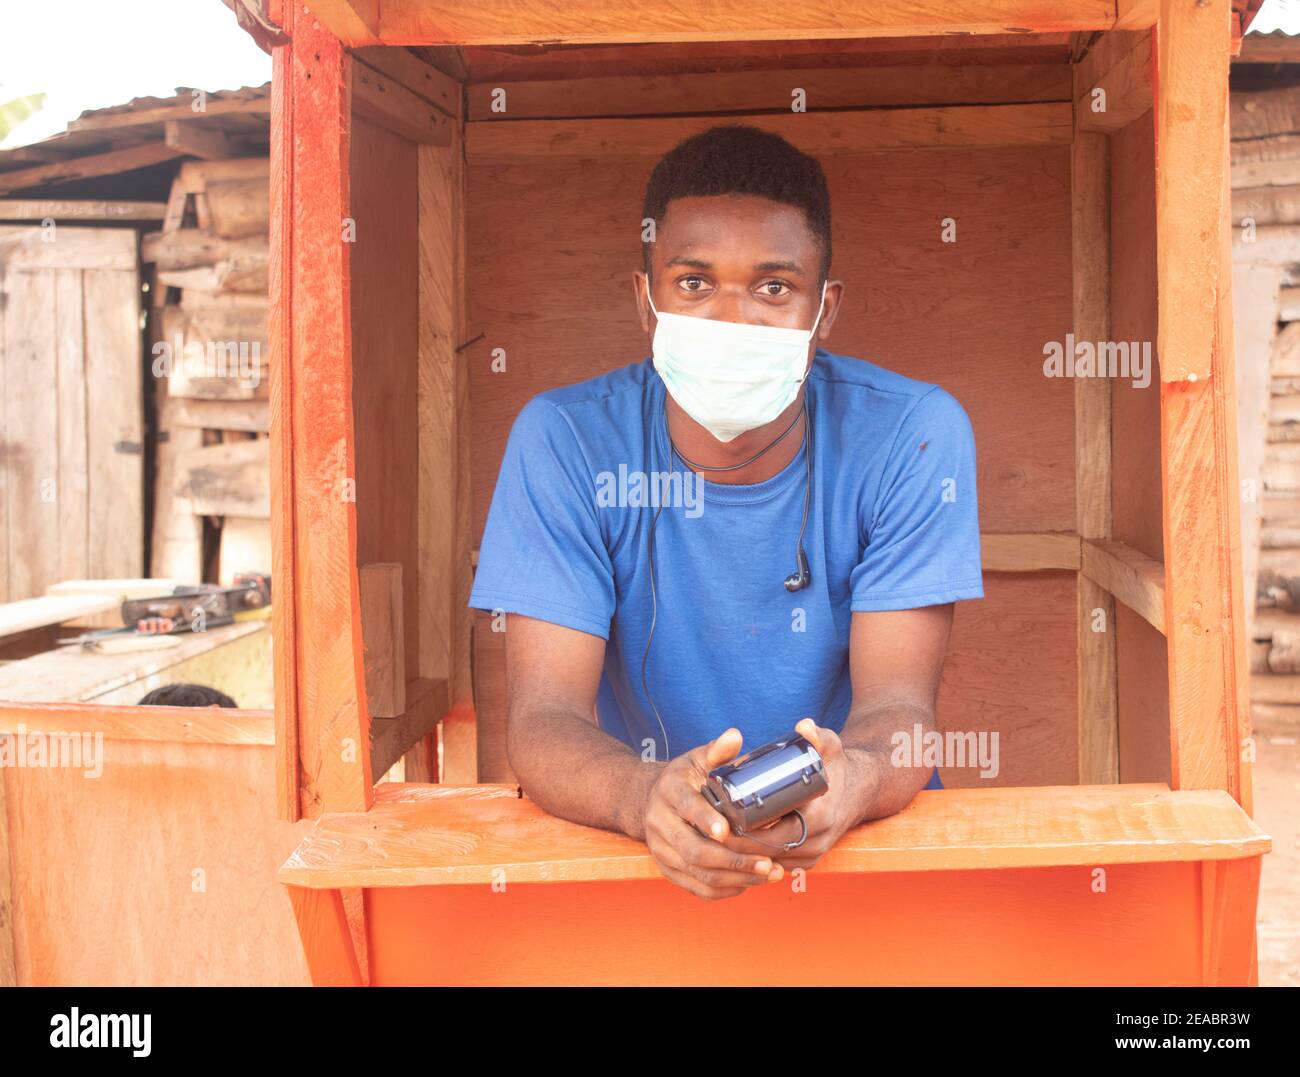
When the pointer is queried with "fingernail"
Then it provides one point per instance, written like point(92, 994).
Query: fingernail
point(763, 867)
point(717, 830)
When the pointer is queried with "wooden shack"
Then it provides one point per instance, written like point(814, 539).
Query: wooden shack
point(434, 161)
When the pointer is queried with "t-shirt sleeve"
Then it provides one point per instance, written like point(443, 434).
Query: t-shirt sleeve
point(543, 553)
point(923, 541)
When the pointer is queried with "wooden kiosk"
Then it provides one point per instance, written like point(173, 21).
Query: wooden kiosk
point(435, 161)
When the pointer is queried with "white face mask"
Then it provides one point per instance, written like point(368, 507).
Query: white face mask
point(730, 376)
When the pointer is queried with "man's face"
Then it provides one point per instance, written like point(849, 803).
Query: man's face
point(738, 258)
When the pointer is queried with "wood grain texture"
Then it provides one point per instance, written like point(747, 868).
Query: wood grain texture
point(844, 133)
point(1130, 576)
point(317, 535)
point(459, 841)
point(412, 22)
point(169, 853)
point(1202, 538)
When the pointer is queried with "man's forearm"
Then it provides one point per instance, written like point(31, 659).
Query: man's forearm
point(868, 738)
point(576, 771)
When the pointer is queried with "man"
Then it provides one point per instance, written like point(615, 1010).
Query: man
point(655, 625)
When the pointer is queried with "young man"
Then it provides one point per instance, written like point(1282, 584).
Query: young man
point(795, 572)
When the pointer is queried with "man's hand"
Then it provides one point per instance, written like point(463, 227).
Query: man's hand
point(837, 810)
point(688, 837)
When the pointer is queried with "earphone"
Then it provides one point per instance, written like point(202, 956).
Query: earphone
point(802, 575)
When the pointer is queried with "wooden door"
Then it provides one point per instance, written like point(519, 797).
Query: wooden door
point(71, 416)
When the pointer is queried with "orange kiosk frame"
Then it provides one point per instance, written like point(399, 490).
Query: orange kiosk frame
point(1117, 873)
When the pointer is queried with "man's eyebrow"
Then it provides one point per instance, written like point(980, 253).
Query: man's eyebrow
point(760, 267)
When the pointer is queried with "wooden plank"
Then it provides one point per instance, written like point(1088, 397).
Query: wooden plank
point(28, 613)
point(74, 247)
point(829, 132)
point(384, 637)
point(115, 423)
point(319, 668)
point(1029, 552)
point(405, 843)
point(186, 137)
point(1197, 407)
point(768, 91)
point(326, 937)
point(73, 673)
point(388, 103)
point(180, 725)
point(423, 79)
point(73, 209)
point(182, 110)
point(100, 164)
point(391, 738)
point(1132, 577)
point(592, 21)
point(73, 420)
point(31, 432)
point(228, 479)
point(1098, 724)
point(1265, 113)
point(1113, 81)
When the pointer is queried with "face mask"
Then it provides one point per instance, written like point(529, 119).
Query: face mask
point(730, 376)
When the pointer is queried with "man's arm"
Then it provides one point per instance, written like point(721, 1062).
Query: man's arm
point(576, 771)
point(564, 761)
point(895, 662)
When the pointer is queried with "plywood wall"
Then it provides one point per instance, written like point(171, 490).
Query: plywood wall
point(553, 245)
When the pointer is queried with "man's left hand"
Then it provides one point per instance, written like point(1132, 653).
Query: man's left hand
point(837, 810)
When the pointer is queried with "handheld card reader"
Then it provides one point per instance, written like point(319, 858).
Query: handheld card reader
point(767, 784)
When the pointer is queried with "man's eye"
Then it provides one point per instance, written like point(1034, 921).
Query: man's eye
point(777, 284)
point(687, 282)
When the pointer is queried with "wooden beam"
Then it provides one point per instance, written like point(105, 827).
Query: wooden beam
point(848, 132)
point(384, 636)
point(1204, 612)
point(185, 137)
point(1097, 658)
point(422, 79)
point(1132, 577)
point(391, 738)
point(181, 110)
point(388, 103)
point(72, 209)
point(99, 164)
point(1029, 552)
point(1113, 81)
point(178, 725)
point(749, 91)
point(447, 22)
point(323, 727)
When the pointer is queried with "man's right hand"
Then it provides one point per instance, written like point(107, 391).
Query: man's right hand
point(685, 834)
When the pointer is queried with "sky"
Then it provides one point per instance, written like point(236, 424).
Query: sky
point(86, 54)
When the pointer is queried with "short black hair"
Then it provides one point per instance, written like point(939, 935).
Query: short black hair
point(186, 695)
point(742, 159)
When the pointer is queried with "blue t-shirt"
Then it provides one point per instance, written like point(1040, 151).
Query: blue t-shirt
point(893, 524)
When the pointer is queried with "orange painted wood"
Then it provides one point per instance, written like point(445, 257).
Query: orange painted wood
point(327, 941)
point(1203, 609)
point(466, 839)
point(193, 725)
point(325, 718)
point(506, 22)
point(1128, 884)
point(1014, 927)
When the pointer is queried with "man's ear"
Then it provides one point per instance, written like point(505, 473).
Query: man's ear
point(834, 293)
point(641, 285)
